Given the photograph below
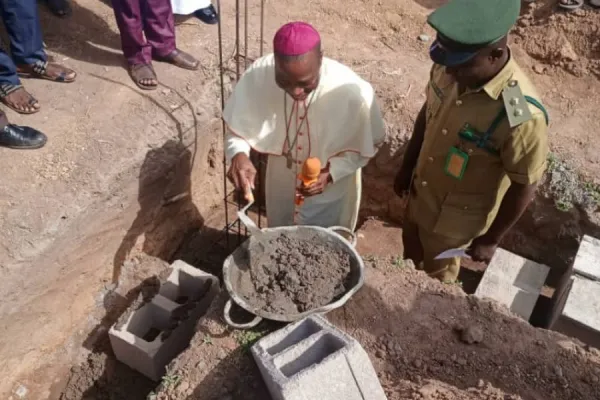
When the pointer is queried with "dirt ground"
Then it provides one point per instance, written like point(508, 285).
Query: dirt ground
point(411, 327)
point(106, 139)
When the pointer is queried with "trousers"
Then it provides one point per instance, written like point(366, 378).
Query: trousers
point(22, 24)
point(147, 29)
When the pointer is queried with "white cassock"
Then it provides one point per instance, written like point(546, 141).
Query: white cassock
point(187, 7)
point(339, 123)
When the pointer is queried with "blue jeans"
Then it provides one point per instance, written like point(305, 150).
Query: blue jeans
point(26, 46)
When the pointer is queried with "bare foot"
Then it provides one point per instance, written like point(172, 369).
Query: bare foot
point(21, 101)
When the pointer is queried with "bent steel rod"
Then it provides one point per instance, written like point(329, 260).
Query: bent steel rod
point(224, 127)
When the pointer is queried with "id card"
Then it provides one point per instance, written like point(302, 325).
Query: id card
point(456, 163)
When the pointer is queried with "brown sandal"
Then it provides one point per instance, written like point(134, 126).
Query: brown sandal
point(6, 89)
point(41, 69)
point(181, 59)
point(140, 72)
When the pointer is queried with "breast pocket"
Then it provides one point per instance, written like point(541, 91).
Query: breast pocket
point(463, 215)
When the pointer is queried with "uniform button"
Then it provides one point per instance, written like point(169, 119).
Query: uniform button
point(444, 131)
point(430, 159)
point(299, 162)
point(424, 183)
point(466, 208)
point(458, 103)
point(299, 147)
point(300, 133)
point(470, 151)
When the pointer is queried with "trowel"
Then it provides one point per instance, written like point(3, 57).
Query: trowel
point(247, 221)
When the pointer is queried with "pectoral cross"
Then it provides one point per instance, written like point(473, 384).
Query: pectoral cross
point(289, 160)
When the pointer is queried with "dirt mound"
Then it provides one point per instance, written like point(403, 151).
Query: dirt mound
point(420, 330)
point(570, 41)
point(427, 341)
point(293, 275)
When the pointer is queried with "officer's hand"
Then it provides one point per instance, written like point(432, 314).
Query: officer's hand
point(402, 182)
point(317, 187)
point(482, 249)
point(242, 173)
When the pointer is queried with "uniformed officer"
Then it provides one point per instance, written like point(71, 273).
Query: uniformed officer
point(479, 145)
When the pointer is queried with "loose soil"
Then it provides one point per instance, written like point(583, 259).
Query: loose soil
point(292, 274)
point(426, 340)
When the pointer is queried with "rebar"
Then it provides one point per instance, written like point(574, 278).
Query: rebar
point(230, 227)
point(224, 127)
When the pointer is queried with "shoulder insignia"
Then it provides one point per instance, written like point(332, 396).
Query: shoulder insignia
point(515, 104)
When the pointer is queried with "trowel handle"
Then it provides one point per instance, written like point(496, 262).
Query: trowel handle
point(227, 316)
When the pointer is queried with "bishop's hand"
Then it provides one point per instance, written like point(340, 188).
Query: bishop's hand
point(317, 187)
point(242, 174)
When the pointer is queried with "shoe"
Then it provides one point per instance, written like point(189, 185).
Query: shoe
point(21, 137)
point(60, 8)
point(208, 15)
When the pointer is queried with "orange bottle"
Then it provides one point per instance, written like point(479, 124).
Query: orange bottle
point(311, 169)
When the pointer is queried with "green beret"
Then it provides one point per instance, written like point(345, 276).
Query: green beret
point(475, 22)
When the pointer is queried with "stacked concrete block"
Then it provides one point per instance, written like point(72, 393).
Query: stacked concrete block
point(311, 359)
point(163, 327)
point(513, 281)
point(587, 262)
point(580, 315)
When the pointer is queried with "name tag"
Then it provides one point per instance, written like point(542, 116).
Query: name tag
point(456, 163)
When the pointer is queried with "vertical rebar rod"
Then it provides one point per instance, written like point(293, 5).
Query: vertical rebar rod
point(245, 34)
point(260, 158)
point(224, 127)
point(237, 78)
point(262, 25)
point(237, 40)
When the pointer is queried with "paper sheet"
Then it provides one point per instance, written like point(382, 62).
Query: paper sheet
point(452, 253)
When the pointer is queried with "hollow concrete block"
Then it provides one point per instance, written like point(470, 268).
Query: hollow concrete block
point(159, 330)
point(580, 317)
point(587, 260)
point(513, 281)
point(311, 359)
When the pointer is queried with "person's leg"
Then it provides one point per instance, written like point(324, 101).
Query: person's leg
point(12, 94)
point(159, 27)
point(27, 48)
point(136, 49)
point(128, 14)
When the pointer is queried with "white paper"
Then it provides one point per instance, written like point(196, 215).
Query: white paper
point(452, 253)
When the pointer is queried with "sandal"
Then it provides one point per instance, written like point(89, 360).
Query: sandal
point(46, 70)
point(181, 59)
point(143, 72)
point(26, 106)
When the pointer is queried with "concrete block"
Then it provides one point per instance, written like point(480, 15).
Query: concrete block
point(513, 281)
point(587, 261)
point(580, 317)
point(157, 332)
point(311, 359)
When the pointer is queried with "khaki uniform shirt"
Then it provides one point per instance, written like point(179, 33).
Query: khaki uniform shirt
point(464, 209)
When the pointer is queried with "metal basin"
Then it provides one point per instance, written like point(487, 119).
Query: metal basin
point(236, 271)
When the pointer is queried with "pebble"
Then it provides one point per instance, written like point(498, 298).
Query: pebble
point(379, 354)
point(424, 38)
point(221, 354)
point(472, 334)
point(539, 69)
point(558, 371)
point(418, 363)
point(183, 387)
